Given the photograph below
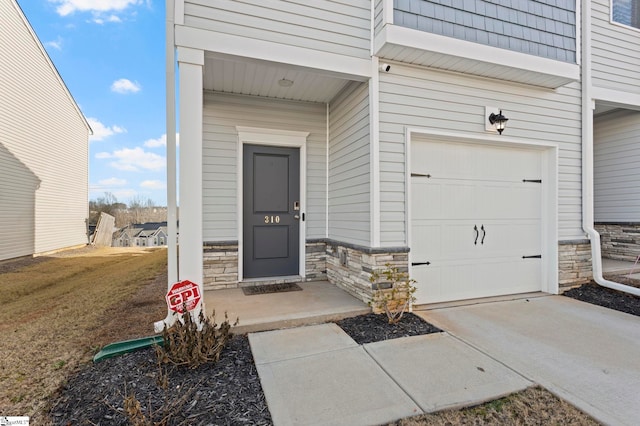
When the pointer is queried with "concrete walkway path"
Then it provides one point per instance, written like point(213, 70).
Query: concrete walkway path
point(317, 375)
point(588, 355)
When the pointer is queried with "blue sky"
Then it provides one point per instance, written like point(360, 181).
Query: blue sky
point(111, 55)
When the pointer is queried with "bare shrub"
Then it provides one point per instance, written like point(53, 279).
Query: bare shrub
point(393, 292)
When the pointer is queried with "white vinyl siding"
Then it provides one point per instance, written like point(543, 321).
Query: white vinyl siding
point(222, 113)
point(378, 16)
point(42, 128)
point(615, 52)
point(414, 97)
point(17, 206)
point(349, 166)
point(339, 26)
point(616, 171)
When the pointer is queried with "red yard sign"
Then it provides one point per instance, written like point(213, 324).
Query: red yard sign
point(181, 294)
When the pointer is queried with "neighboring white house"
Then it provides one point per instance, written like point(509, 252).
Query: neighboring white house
point(43, 147)
point(150, 234)
point(326, 139)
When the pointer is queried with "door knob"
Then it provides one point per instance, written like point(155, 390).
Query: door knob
point(296, 217)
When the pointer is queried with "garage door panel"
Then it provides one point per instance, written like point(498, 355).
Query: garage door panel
point(474, 161)
point(444, 160)
point(474, 185)
point(507, 164)
point(507, 200)
point(509, 237)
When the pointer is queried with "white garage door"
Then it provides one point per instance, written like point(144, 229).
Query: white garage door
point(476, 227)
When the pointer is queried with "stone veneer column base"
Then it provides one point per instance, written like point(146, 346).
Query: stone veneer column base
point(220, 263)
point(574, 263)
point(619, 241)
point(350, 266)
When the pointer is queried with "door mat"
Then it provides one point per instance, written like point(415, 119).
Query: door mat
point(270, 288)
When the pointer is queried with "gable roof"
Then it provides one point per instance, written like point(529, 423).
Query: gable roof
point(44, 53)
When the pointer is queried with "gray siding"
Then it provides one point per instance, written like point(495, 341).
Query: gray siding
point(43, 130)
point(615, 52)
point(338, 26)
point(545, 28)
point(440, 101)
point(616, 171)
point(222, 112)
point(349, 166)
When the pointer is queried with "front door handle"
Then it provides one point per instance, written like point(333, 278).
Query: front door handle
point(484, 234)
point(296, 217)
point(475, 228)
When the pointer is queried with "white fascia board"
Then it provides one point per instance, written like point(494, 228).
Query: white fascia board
point(444, 45)
point(211, 41)
point(616, 97)
point(387, 12)
point(178, 12)
point(190, 56)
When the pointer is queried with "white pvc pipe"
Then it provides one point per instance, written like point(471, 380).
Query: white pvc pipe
point(587, 159)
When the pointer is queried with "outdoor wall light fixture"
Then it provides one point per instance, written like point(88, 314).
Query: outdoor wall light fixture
point(285, 83)
point(498, 120)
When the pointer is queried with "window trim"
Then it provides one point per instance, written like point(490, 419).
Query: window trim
point(620, 24)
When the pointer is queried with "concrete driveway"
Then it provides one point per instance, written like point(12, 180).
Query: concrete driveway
point(587, 355)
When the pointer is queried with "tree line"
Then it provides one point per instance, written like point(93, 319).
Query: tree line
point(137, 210)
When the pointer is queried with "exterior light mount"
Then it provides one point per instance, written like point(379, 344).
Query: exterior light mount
point(499, 121)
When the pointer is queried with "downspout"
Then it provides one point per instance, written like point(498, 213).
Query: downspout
point(172, 216)
point(587, 159)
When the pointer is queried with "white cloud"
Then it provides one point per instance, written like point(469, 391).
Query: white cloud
point(55, 44)
point(153, 184)
point(123, 194)
point(114, 181)
point(161, 141)
point(125, 86)
point(134, 159)
point(100, 131)
point(67, 7)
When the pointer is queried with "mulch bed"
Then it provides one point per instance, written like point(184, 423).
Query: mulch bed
point(224, 393)
point(606, 297)
point(374, 328)
point(229, 392)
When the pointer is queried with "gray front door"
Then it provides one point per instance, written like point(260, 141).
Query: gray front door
point(271, 223)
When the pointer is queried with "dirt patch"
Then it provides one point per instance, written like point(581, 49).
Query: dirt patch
point(58, 311)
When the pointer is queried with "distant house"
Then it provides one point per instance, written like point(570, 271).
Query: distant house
point(150, 234)
point(43, 148)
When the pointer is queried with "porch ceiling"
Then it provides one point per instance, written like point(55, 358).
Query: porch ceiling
point(259, 78)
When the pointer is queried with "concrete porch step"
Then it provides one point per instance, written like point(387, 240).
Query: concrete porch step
point(318, 302)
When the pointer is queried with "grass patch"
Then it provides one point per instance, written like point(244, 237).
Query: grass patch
point(532, 406)
point(49, 309)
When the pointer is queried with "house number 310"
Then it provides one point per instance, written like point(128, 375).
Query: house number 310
point(272, 219)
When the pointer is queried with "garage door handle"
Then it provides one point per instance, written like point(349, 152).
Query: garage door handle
point(475, 228)
point(420, 263)
point(484, 234)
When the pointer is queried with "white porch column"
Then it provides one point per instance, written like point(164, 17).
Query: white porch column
point(190, 71)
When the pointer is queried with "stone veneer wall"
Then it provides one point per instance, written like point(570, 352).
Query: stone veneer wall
point(316, 260)
point(350, 266)
point(620, 241)
point(220, 263)
point(574, 263)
